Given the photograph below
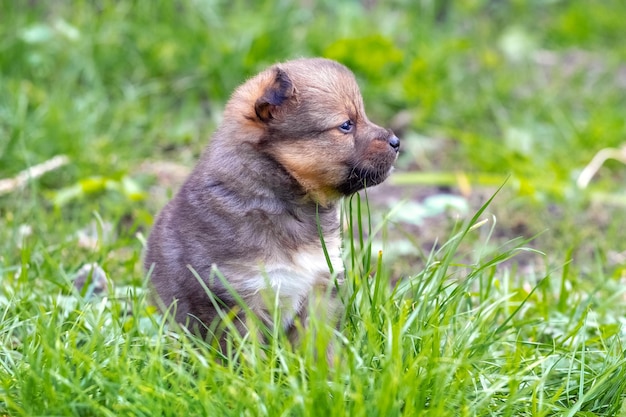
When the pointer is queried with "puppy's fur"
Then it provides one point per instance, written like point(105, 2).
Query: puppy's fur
point(293, 141)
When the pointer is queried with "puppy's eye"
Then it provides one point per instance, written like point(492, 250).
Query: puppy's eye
point(347, 126)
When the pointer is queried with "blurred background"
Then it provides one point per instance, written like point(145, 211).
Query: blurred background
point(481, 92)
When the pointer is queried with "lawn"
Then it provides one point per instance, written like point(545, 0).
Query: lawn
point(483, 277)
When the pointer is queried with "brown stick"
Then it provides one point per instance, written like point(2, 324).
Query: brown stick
point(20, 180)
point(598, 160)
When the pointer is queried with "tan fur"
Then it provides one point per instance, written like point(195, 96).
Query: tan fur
point(281, 159)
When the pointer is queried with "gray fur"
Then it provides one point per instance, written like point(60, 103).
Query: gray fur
point(241, 208)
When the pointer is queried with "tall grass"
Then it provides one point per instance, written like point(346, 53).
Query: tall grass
point(464, 336)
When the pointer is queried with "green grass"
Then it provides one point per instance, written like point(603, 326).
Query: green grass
point(516, 311)
point(453, 339)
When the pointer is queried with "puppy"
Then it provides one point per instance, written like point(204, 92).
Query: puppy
point(294, 140)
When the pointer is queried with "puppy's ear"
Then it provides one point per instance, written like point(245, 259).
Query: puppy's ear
point(279, 90)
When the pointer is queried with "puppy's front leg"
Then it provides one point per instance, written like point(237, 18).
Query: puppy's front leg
point(321, 308)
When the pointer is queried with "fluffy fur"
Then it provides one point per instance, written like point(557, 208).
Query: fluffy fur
point(293, 141)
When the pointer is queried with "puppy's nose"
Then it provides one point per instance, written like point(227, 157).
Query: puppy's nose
point(394, 142)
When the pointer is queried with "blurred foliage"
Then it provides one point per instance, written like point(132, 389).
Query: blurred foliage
point(531, 89)
point(91, 79)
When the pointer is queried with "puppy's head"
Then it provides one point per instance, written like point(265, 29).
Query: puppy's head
point(308, 115)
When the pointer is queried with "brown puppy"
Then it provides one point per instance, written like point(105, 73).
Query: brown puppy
point(293, 141)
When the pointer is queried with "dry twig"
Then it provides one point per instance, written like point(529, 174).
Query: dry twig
point(20, 180)
point(597, 161)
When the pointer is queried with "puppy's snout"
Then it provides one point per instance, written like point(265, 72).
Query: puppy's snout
point(394, 142)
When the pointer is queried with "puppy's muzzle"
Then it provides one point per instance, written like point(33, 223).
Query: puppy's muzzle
point(375, 167)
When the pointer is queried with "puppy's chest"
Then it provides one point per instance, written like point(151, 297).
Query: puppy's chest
point(292, 278)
